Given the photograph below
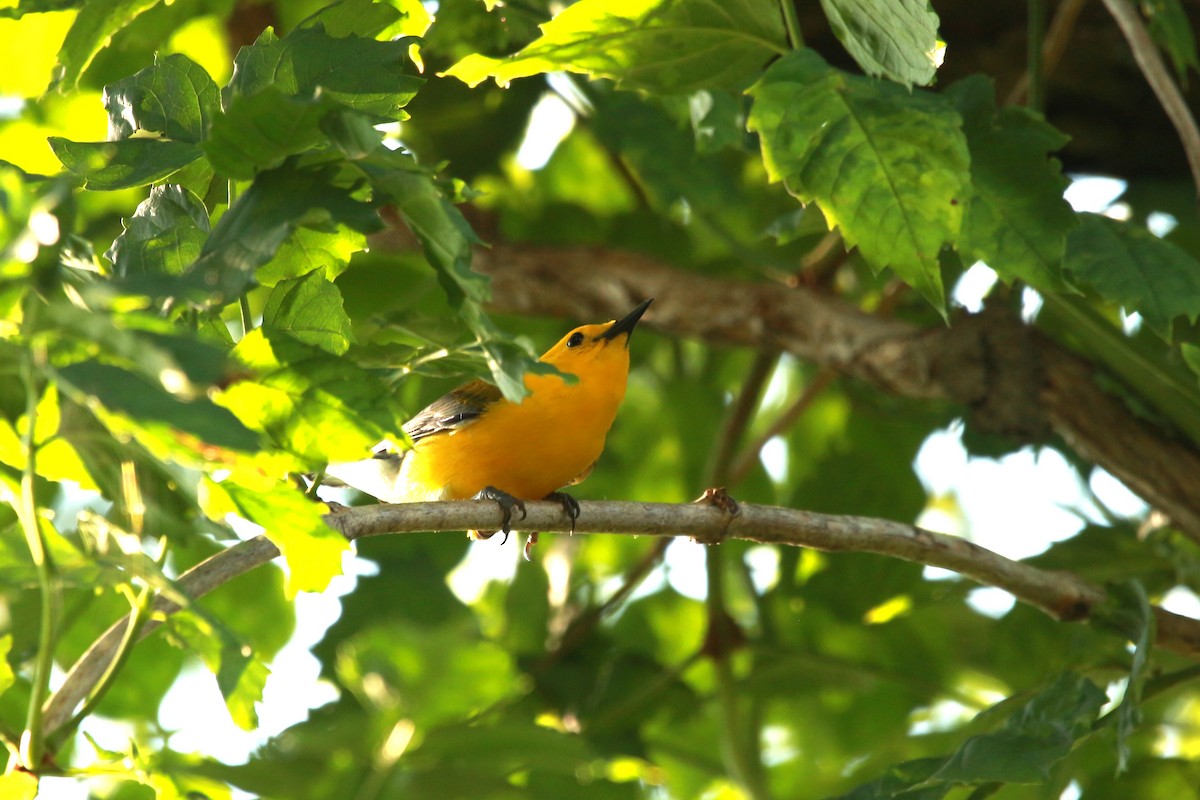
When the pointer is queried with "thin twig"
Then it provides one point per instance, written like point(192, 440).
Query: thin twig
point(1154, 69)
point(1060, 594)
point(1036, 28)
point(1053, 46)
point(746, 460)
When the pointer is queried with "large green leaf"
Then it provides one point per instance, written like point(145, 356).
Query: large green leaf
point(439, 226)
point(659, 45)
point(98, 20)
point(1131, 267)
point(308, 249)
point(371, 19)
point(894, 39)
point(259, 131)
point(175, 98)
point(129, 393)
point(363, 74)
point(126, 163)
point(309, 308)
point(315, 405)
point(1039, 735)
point(312, 549)
point(1016, 221)
point(164, 236)
point(887, 167)
point(261, 219)
point(240, 673)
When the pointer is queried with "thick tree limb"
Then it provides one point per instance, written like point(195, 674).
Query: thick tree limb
point(1011, 379)
point(1062, 595)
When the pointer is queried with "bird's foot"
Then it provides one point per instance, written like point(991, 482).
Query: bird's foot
point(529, 543)
point(507, 503)
point(570, 506)
point(718, 498)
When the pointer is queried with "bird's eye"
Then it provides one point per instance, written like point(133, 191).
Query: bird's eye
point(575, 339)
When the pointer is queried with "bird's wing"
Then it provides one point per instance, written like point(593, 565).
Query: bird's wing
point(453, 410)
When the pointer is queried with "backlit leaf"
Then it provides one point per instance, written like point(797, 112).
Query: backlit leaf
point(175, 98)
point(889, 168)
point(309, 308)
point(660, 45)
point(362, 74)
point(312, 549)
point(164, 236)
point(126, 163)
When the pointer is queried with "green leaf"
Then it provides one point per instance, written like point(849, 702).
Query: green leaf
point(129, 393)
point(888, 167)
point(657, 45)
point(91, 32)
point(439, 226)
point(1172, 31)
point(310, 308)
point(354, 18)
point(175, 98)
point(308, 249)
point(317, 406)
point(241, 675)
point(362, 74)
point(262, 218)
point(259, 131)
point(124, 164)
point(312, 549)
point(164, 236)
point(894, 39)
point(372, 20)
point(1035, 738)
point(1131, 267)
point(1017, 220)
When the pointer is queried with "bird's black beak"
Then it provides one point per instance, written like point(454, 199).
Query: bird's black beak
point(626, 323)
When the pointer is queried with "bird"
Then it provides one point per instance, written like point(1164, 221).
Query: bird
point(473, 443)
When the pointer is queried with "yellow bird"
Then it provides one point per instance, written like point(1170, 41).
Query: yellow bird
point(473, 443)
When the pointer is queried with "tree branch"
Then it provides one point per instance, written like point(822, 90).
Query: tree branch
point(1010, 378)
point(1148, 58)
point(1062, 595)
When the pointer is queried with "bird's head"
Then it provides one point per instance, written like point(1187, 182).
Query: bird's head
point(600, 347)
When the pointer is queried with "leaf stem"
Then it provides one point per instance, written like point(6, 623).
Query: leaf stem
point(792, 22)
point(32, 742)
point(244, 300)
point(247, 317)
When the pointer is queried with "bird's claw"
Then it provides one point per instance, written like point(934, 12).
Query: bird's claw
point(570, 506)
point(507, 503)
point(529, 543)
